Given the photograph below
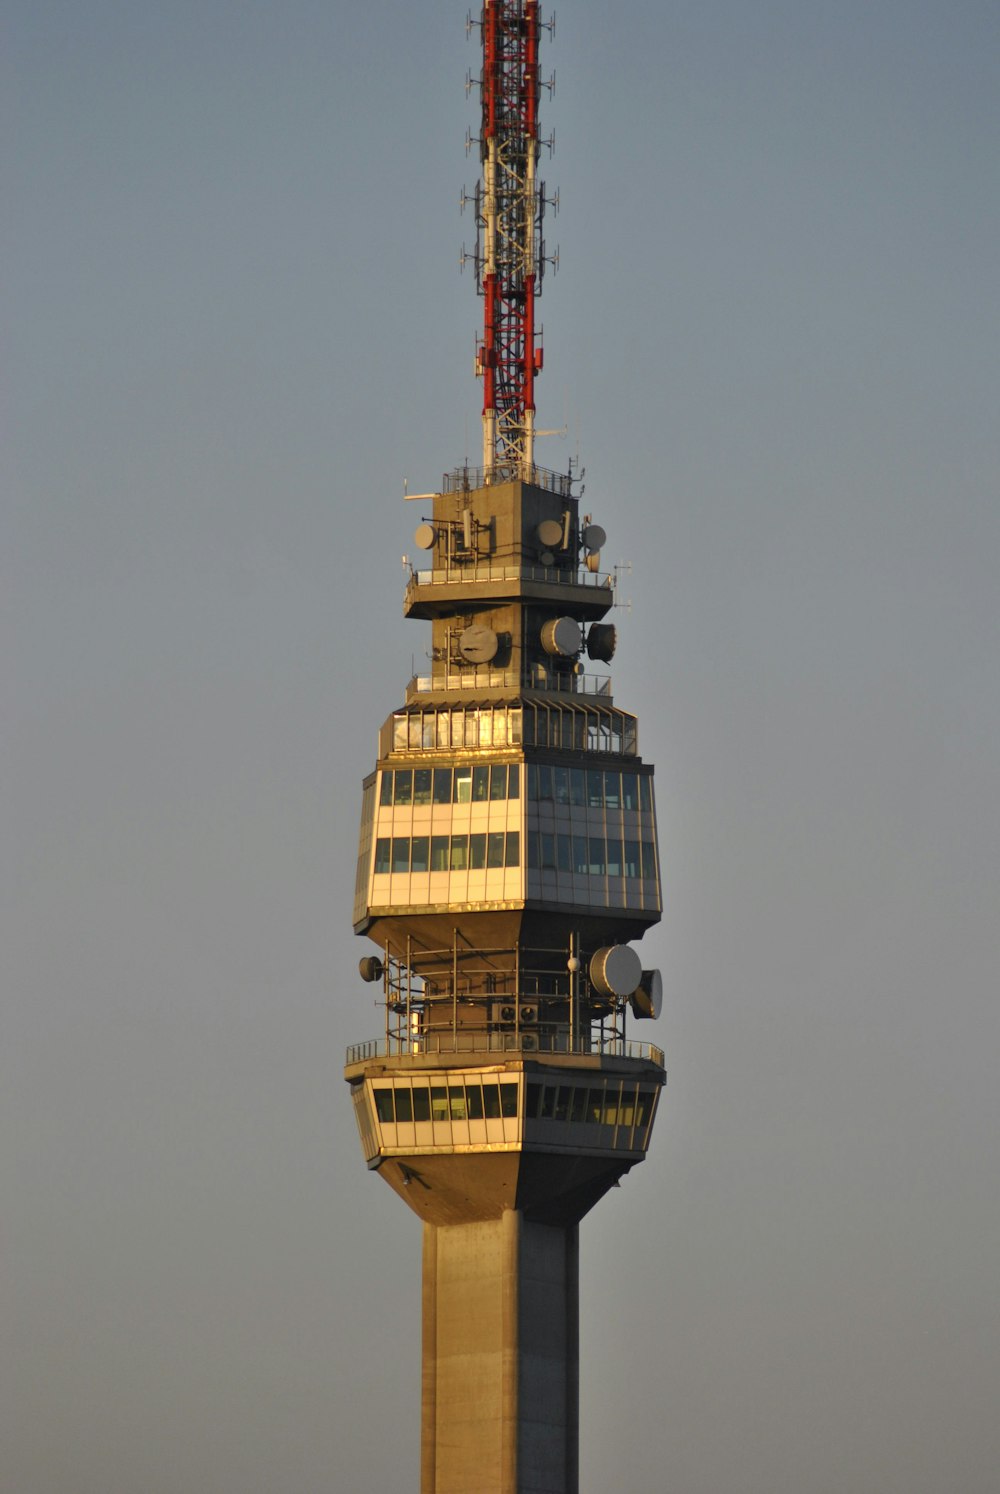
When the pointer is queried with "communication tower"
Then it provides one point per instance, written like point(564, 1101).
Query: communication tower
point(507, 863)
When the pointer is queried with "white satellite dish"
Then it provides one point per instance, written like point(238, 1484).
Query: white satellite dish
point(425, 536)
point(561, 637)
point(478, 644)
point(615, 971)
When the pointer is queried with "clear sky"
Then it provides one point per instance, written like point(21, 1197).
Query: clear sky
point(234, 323)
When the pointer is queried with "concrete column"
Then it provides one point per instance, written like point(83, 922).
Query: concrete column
point(500, 1358)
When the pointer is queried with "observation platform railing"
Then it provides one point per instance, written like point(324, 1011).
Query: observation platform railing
point(511, 679)
point(467, 479)
point(499, 1045)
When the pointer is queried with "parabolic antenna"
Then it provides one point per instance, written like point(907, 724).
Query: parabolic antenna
point(647, 998)
point(561, 637)
point(550, 533)
point(594, 537)
point(601, 640)
point(425, 536)
point(615, 971)
point(478, 644)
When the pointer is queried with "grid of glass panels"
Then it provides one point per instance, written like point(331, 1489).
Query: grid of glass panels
point(481, 783)
point(590, 788)
point(569, 725)
point(442, 853)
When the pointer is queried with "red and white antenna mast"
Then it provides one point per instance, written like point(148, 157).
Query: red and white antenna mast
point(510, 252)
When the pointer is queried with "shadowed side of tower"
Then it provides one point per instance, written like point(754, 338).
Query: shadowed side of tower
point(507, 861)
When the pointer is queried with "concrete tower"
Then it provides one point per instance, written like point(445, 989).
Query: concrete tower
point(507, 862)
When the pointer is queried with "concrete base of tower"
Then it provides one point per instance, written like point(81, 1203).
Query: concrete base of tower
point(500, 1357)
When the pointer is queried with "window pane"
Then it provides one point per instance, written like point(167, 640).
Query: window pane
point(534, 857)
point(480, 784)
point(512, 852)
point(648, 859)
point(564, 852)
point(439, 853)
point(577, 787)
point(548, 1109)
point(579, 1107)
point(562, 1103)
point(514, 781)
point(383, 1105)
point(404, 1105)
point(595, 788)
point(477, 852)
point(612, 790)
point(385, 792)
point(514, 727)
point(498, 781)
point(548, 849)
point(534, 1094)
point(463, 786)
point(400, 852)
point(631, 858)
point(581, 861)
point(419, 853)
point(474, 1094)
point(456, 1102)
point(491, 1101)
point(494, 848)
point(544, 781)
point(532, 781)
point(597, 855)
point(439, 1102)
point(442, 785)
point(560, 785)
point(645, 794)
point(630, 791)
point(421, 1103)
point(459, 853)
point(404, 786)
point(508, 1099)
point(421, 785)
point(614, 858)
point(382, 853)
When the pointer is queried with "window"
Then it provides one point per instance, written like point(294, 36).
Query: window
point(614, 856)
point(456, 1102)
point(631, 858)
point(498, 781)
point(612, 790)
point(477, 852)
point(439, 853)
point(495, 848)
point(385, 791)
point(383, 1105)
point(508, 1099)
point(597, 862)
point(480, 784)
point(564, 853)
point(459, 853)
point(581, 861)
point(630, 791)
point(442, 785)
point(421, 1103)
point(491, 1101)
point(382, 854)
point(439, 1102)
point(400, 852)
point(404, 1105)
point(463, 786)
point(419, 859)
point(548, 849)
point(648, 859)
point(595, 788)
point(645, 793)
point(474, 1095)
point(404, 786)
point(514, 781)
point(560, 785)
point(512, 850)
point(577, 787)
point(421, 785)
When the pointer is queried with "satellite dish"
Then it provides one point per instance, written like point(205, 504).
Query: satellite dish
point(370, 967)
point(561, 637)
point(647, 998)
point(550, 533)
point(478, 644)
point(601, 640)
point(547, 557)
point(594, 561)
point(594, 537)
point(425, 536)
point(616, 971)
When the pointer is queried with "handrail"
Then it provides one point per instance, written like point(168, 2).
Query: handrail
point(501, 1045)
point(467, 479)
point(508, 679)
point(479, 569)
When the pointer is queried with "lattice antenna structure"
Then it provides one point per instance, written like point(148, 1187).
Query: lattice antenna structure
point(510, 255)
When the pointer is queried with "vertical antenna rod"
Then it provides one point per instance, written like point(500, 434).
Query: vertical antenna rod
point(510, 254)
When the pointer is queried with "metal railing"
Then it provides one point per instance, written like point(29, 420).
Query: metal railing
point(510, 679)
point(500, 1045)
point(466, 479)
point(479, 568)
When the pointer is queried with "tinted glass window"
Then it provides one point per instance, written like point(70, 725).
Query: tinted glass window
point(480, 784)
point(514, 781)
point(439, 853)
point(494, 848)
point(512, 851)
point(477, 852)
point(382, 853)
point(385, 792)
point(421, 785)
point(400, 853)
point(404, 786)
point(404, 1105)
point(442, 785)
point(498, 781)
point(419, 858)
point(463, 786)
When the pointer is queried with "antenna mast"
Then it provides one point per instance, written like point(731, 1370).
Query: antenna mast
point(510, 253)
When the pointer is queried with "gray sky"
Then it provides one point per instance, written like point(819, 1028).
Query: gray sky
point(234, 323)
